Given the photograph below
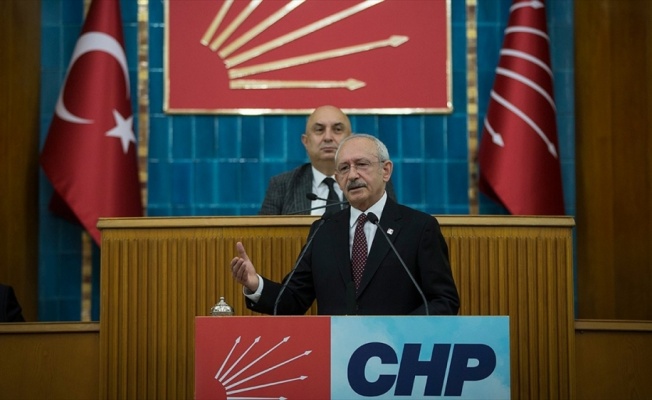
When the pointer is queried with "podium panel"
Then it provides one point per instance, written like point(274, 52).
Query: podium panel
point(352, 357)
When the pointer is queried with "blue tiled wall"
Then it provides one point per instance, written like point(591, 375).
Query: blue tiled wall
point(206, 165)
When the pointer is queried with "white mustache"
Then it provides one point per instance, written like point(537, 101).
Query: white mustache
point(355, 185)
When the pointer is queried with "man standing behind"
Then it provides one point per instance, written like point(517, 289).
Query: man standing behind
point(286, 193)
point(349, 267)
point(10, 310)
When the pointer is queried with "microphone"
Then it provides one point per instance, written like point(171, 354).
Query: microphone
point(311, 197)
point(294, 268)
point(371, 217)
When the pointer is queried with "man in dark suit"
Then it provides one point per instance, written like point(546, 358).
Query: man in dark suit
point(286, 192)
point(10, 310)
point(329, 271)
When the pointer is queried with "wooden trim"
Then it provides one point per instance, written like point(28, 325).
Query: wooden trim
point(306, 220)
point(613, 325)
point(51, 327)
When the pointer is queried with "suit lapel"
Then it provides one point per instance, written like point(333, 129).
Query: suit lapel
point(302, 182)
point(341, 255)
point(390, 222)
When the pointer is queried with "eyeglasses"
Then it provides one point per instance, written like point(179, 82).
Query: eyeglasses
point(360, 166)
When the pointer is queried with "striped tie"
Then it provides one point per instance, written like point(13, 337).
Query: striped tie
point(359, 251)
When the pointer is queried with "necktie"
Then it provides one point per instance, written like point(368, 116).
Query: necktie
point(359, 250)
point(332, 196)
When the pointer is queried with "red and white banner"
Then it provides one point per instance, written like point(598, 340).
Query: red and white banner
point(352, 357)
point(90, 151)
point(519, 152)
point(284, 57)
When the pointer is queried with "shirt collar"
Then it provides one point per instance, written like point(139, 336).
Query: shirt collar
point(376, 209)
point(318, 177)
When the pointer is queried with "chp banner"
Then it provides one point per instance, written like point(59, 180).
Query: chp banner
point(285, 57)
point(89, 154)
point(519, 151)
point(318, 357)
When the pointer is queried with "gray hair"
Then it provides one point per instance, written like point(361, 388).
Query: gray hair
point(381, 149)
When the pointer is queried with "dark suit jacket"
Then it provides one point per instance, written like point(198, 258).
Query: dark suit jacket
point(10, 310)
point(324, 273)
point(286, 192)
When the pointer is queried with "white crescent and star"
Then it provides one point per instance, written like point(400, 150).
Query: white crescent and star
point(98, 41)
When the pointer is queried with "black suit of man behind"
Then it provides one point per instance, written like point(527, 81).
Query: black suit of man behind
point(10, 310)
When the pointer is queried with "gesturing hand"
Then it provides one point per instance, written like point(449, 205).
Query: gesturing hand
point(243, 269)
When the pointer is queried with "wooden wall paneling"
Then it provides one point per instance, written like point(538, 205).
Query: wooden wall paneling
point(613, 359)
point(595, 225)
point(49, 361)
point(158, 273)
point(19, 144)
point(614, 173)
point(631, 136)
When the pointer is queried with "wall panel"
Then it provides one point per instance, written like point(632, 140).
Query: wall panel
point(19, 124)
point(614, 171)
point(613, 359)
point(49, 361)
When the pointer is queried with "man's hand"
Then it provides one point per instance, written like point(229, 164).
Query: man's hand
point(243, 270)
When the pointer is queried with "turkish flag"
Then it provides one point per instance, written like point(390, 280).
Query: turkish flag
point(519, 156)
point(90, 151)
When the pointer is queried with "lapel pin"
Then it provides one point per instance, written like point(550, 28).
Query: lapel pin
point(390, 231)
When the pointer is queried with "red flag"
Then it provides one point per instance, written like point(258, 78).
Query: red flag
point(90, 151)
point(519, 156)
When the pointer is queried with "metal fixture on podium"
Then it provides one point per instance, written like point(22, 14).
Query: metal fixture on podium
point(221, 308)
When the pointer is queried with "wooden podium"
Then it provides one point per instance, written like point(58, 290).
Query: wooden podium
point(158, 274)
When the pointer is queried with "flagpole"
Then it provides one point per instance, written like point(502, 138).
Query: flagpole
point(86, 254)
point(143, 98)
point(86, 276)
point(472, 105)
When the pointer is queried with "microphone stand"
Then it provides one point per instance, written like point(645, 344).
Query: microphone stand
point(317, 208)
point(312, 197)
point(303, 252)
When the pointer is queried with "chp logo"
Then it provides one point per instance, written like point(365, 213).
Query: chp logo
point(278, 57)
point(262, 358)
